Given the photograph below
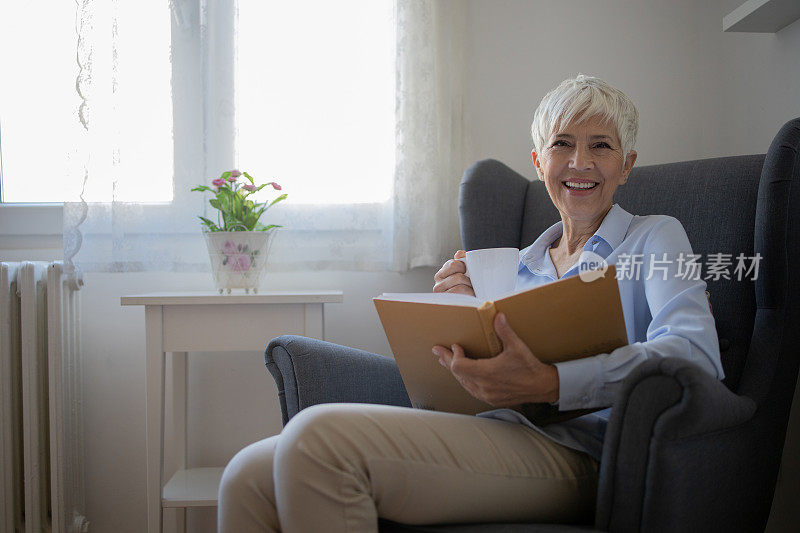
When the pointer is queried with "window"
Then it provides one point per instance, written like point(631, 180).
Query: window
point(38, 102)
point(302, 93)
point(315, 98)
point(43, 146)
point(314, 101)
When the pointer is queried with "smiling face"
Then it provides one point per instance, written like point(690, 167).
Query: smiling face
point(582, 165)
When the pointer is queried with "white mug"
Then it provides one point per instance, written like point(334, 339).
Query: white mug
point(492, 271)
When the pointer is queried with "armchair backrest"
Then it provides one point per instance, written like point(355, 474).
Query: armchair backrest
point(729, 205)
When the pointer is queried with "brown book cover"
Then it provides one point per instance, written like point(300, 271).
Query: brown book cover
point(564, 320)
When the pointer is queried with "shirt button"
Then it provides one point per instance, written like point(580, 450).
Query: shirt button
point(594, 241)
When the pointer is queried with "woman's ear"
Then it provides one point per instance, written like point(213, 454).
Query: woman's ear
point(537, 164)
point(628, 166)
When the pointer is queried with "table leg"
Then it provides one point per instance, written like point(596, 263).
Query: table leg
point(181, 526)
point(174, 520)
point(313, 326)
point(179, 395)
point(155, 414)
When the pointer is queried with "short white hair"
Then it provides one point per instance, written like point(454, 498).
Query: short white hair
point(579, 99)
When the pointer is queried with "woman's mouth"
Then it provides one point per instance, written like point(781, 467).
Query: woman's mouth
point(580, 185)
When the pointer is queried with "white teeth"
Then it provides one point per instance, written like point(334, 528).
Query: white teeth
point(579, 185)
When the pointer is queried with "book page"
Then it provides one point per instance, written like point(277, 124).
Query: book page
point(441, 298)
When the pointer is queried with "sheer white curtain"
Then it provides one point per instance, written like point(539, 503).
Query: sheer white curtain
point(146, 62)
point(129, 209)
point(430, 126)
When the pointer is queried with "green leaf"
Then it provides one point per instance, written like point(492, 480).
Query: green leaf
point(225, 191)
point(249, 177)
point(201, 188)
point(230, 224)
point(209, 224)
point(215, 203)
point(262, 227)
point(278, 199)
point(225, 175)
point(248, 219)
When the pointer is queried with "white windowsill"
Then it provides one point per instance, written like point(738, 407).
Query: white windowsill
point(30, 231)
point(30, 219)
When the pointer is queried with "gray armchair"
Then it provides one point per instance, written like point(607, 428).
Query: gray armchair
point(683, 451)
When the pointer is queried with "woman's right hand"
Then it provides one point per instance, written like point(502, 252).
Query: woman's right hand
point(452, 276)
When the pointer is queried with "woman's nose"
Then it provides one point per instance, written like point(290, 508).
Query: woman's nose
point(581, 158)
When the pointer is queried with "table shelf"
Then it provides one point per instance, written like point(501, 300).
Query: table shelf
point(192, 487)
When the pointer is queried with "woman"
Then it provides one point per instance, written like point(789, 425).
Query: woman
point(338, 467)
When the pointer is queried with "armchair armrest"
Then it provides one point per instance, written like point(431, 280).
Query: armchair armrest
point(309, 371)
point(678, 453)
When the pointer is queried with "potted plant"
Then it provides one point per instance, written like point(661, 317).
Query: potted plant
point(238, 243)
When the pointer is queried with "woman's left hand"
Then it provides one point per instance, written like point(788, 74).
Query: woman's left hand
point(513, 377)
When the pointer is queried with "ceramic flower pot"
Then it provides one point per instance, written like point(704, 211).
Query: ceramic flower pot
point(238, 258)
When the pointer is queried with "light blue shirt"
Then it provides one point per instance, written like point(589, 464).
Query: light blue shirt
point(666, 314)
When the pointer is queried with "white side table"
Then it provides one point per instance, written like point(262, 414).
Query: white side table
point(189, 322)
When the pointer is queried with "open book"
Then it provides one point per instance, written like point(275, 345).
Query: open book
point(563, 320)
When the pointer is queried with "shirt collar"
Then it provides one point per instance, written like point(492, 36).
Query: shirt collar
point(614, 226)
point(612, 231)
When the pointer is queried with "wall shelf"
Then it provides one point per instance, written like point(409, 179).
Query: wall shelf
point(762, 16)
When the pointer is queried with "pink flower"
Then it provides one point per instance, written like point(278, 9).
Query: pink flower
point(235, 173)
point(232, 179)
point(275, 186)
point(229, 248)
point(239, 263)
point(219, 182)
point(249, 187)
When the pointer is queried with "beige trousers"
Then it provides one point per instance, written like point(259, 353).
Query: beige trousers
point(338, 467)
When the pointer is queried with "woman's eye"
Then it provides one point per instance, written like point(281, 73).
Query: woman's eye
point(560, 142)
point(602, 145)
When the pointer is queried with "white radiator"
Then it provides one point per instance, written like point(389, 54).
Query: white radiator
point(41, 435)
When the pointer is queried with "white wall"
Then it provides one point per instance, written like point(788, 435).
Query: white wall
point(700, 92)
